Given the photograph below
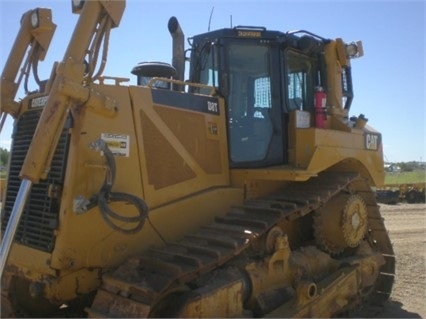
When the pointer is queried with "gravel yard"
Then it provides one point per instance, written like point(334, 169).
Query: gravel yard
point(406, 224)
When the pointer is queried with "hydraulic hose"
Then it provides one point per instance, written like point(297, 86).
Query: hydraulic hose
point(108, 214)
point(106, 196)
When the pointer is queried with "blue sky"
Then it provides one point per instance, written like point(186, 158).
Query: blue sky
point(389, 81)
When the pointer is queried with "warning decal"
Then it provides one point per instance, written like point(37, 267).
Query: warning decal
point(117, 143)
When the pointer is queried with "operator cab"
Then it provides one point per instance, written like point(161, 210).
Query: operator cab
point(262, 75)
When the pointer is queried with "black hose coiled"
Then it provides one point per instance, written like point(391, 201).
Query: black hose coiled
point(106, 196)
point(108, 214)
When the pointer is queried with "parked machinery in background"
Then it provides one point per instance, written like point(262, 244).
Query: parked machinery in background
point(411, 193)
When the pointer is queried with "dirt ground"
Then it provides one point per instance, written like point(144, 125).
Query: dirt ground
point(406, 224)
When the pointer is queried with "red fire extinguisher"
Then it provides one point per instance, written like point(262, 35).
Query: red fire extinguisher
point(320, 110)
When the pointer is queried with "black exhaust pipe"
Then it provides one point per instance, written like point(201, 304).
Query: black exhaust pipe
point(178, 60)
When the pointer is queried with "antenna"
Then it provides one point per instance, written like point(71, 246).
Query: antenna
point(230, 17)
point(210, 19)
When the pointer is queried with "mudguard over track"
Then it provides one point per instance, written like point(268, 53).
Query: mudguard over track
point(135, 287)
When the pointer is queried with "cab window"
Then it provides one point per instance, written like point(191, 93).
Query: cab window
point(207, 64)
point(301, 73)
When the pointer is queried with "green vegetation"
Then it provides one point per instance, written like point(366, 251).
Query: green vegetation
point(415, 176)
point(4, 156)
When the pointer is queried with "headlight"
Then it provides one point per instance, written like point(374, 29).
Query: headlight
point(77, 5)
point(354, 49)
point(35, 19)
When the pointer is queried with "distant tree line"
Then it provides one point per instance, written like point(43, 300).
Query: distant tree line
point(4, 156)
point(410, 166)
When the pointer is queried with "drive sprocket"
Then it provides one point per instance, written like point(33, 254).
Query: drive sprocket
point(341, 223)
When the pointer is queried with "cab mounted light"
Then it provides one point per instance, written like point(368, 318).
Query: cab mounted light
point(35, 18)
point(77, 5)
point(354, 49)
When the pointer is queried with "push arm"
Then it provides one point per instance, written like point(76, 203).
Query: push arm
point(71, 86)
point(34, 36)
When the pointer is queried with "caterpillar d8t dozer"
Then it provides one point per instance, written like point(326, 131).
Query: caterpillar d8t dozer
point(244, 191)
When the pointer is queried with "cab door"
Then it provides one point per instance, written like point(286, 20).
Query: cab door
point(254, 103)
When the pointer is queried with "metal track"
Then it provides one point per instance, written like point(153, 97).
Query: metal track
point(137, 285)
point(379, 239)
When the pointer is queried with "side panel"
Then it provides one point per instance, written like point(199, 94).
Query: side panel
point(182, 139)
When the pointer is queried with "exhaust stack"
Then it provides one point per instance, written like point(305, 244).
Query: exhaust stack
point(178, 60)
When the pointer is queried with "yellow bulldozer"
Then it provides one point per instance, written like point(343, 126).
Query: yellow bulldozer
point(243, 191)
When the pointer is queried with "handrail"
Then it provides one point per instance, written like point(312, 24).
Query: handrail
point(183, 83)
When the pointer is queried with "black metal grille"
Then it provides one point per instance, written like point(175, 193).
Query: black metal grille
point(40, 216)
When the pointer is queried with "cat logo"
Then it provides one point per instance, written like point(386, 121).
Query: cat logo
point(38, 102)
point(372, 141)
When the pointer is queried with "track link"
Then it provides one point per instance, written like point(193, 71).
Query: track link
point(378, 238)
point(134, 288)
